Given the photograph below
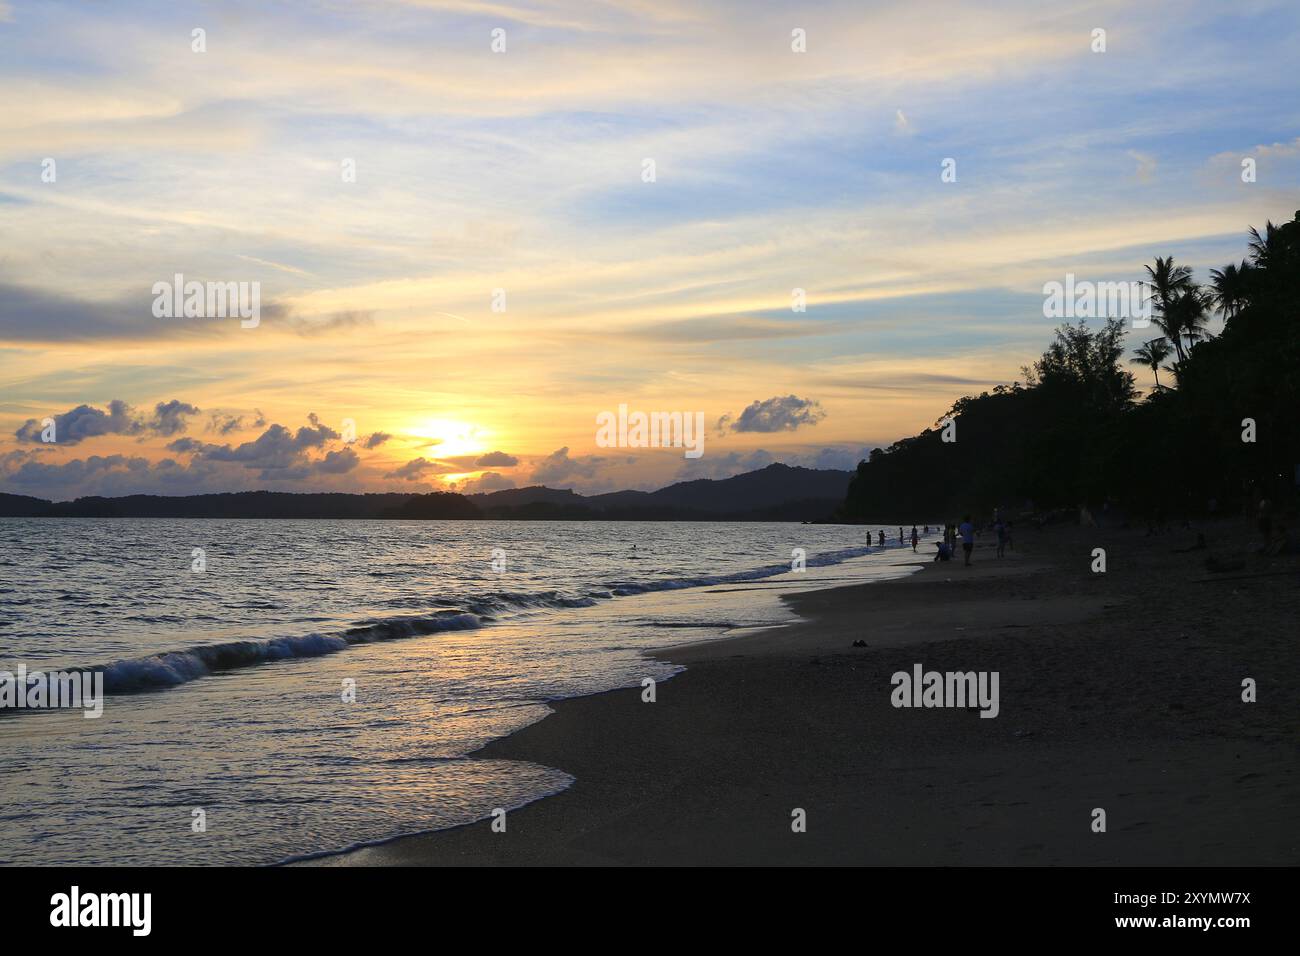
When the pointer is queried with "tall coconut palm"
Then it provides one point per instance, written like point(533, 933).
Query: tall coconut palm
point(1230, 288)
point(1264, 248)
point(1151, 354)
point(1168, 283)
point(1190, 312)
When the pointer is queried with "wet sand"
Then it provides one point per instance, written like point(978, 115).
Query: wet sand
point(1120, 691)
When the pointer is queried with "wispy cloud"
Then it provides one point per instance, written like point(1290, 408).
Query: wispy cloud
point(521, 173)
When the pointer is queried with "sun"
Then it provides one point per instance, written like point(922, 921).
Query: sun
point(451, 437)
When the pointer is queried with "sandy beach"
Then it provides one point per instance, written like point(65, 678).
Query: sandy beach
point(1120, 691)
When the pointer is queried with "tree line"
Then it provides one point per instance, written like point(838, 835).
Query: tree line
point(1217, 432)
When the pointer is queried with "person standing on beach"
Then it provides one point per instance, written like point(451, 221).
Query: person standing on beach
point(882, 537)
point(967, 538)
point(915, 539)
point(900, 535)
point(1265, 521)
point(1000, 527)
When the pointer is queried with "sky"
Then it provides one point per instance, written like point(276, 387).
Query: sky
point(465, 254)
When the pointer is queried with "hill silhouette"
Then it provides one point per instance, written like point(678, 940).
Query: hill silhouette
point(775, 493)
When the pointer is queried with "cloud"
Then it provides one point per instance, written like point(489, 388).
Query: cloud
point(317, 434)
point(724, 466)
point(347, 320)
point(902, 125)
point(1146, 165)
point(415, 469)
point(106, 475)
point(224, 423)
point(558, 466)
point(86, 421)
point(279, 453)
point(169, 417)
point(775, 415)
point(375, 439)
point(36, 472)
point(488, 481)
point(37, 315)
point(292, 270)
point(831, 457)
point(337, 462)
point(496, 459)
point(839, 459)
point(1280, 149)
point(1276, 162)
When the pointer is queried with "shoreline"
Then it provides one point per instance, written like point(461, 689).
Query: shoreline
point(1095, 712)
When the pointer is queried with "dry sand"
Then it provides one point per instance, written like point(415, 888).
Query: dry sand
point(1119, 690)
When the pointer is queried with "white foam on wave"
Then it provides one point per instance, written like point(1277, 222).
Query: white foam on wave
point(178, 667)
point(172, 668)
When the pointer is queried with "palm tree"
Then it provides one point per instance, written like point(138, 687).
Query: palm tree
point(1151, 354)
point(1168, 284)
point(1231, 288)
point(1189, 309)
point(1264, 248)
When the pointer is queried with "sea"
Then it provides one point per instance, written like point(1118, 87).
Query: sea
point(281, 689)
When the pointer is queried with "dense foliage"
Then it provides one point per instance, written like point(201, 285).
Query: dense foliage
point(1076, 433)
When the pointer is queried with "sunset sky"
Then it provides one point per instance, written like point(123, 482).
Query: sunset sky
point(522, 171)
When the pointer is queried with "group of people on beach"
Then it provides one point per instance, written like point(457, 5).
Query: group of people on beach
point(902, 538)
point(946, 549)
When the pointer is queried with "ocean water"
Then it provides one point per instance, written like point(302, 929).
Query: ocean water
point(225, 684)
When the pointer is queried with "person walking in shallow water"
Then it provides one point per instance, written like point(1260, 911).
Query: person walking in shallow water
point(882, 537)
point(915, 539)
point(967, 538)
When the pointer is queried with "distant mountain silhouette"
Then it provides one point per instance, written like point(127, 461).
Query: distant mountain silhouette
point(260, 504)
point(775, 493)
point(22, 506)
point(532, 495)
point(766, 488)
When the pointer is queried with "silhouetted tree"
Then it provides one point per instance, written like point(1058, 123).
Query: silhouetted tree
point(1170, 283)
point(1073, 431)
point(1151, 354)
point(1231, 288)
